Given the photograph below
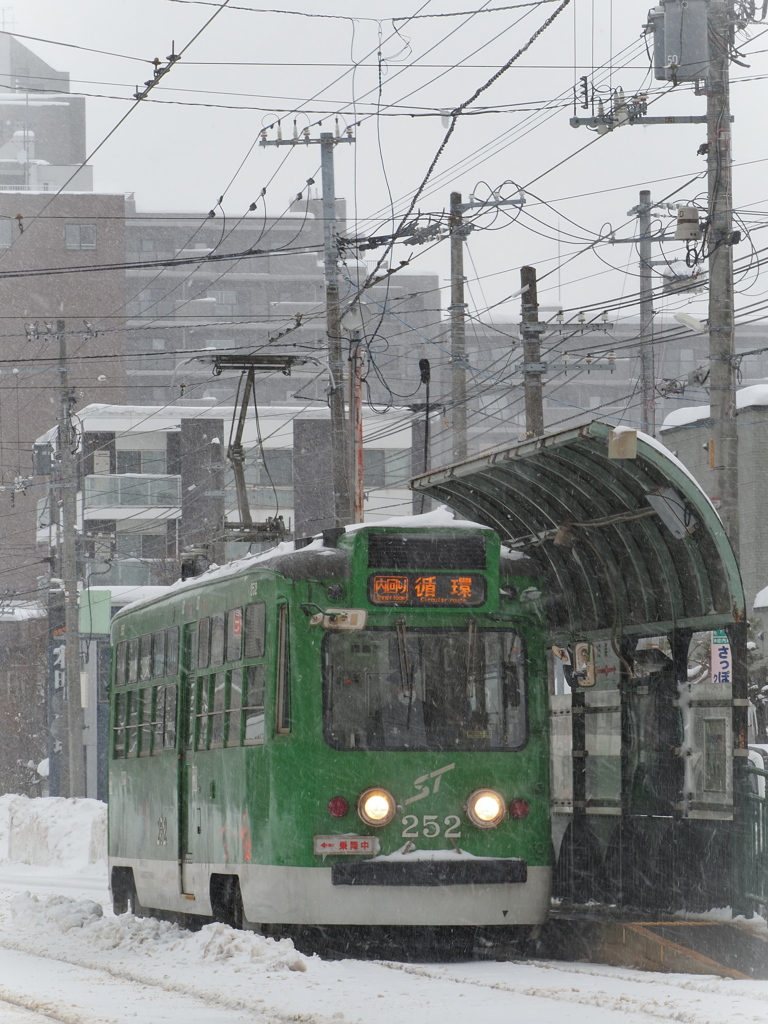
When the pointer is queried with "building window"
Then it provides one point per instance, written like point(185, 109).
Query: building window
point(80, 236)
point(387, 467)
point(147, 461)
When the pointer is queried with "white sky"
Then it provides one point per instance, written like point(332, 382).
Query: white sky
point(179, 156)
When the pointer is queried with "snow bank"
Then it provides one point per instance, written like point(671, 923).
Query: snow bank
point(87, 926)
point(52, 831)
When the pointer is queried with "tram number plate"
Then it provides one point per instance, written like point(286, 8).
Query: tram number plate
point(429, 827)
point(356, 846)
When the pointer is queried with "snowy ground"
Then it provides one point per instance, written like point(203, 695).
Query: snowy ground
point(65, 957)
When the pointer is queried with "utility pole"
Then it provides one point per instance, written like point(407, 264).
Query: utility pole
point(357, 467)
point(341, 482)
point(530, 331)
point(340, 458)
point(647, 379)
point(457, 309)
point(68, 485)
point(722, 377)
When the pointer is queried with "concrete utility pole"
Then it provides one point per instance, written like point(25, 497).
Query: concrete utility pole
point(68, 485)
point(342, 490)
point(722, 377)
point(341, 482)
point(457, 309)
point(647, 381)
point(530, 331)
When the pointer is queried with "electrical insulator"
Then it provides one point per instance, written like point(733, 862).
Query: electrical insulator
point(337, 128)
point(295, 132)
point(688, 227)
point(279, 131)
point(305, 133)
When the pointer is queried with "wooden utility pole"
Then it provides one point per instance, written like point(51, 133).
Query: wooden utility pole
point(530, 331)
point(722, 377)
point(457, 309)
point(68, 555)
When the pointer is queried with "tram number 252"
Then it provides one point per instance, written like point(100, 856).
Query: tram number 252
point(430, 826)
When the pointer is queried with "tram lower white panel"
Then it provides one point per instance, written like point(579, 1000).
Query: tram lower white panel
point(285, 895)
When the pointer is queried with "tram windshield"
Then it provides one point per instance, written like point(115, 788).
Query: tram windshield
point(413, 688)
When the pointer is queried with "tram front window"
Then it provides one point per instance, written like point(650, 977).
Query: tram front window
point(425, 689)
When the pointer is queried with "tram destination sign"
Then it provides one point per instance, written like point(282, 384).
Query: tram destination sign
point(422, 589)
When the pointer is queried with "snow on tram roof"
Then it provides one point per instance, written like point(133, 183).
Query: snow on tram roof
point(439, 518)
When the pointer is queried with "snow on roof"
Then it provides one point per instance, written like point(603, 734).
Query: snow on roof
point(746, 398)
point(124, 595)
point(22, 612)
point(440, 517)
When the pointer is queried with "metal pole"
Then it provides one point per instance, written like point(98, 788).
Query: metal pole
point(341, 487)
point(722, 394)
point(68, 471)
point(457, 310)
point(647, 388)
point(529, 329)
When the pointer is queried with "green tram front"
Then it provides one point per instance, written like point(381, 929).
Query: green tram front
point(352, 733)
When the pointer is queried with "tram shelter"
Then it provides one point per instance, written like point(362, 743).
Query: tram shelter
point(651, 803)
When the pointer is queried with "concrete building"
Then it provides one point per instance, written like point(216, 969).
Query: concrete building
point(139, 498)
point(42, 126)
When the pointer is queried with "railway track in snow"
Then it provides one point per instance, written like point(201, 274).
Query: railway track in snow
point(61, 961)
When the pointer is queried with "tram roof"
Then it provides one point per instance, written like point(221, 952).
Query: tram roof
point(627, 544)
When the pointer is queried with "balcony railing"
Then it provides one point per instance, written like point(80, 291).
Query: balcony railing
point(134, 489)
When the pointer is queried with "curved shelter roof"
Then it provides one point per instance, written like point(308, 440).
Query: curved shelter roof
point(628, 544)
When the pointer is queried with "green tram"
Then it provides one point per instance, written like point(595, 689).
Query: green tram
point(350, 733)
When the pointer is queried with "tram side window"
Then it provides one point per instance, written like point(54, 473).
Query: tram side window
point(132, 723)
point(121, 663)
point(145, 657)
point(253, 704)
point(133, 660)
point(235, 634)
point(158, 654)
point(118, 741)
point(145, 721)
point(255, 624)
point(283, 701)
point(158, 719)
point(190, 648)
point(204, 643)
point(217, 711)
point(234, 704)
point(217, 639)
point(172, 651)
point(164, 719)
point(203, 708)
point(169, 733)
point(190, 712)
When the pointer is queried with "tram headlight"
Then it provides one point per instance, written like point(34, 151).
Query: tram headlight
point(376, 807)
point(485, 808)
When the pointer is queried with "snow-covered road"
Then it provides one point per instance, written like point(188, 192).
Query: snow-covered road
point(63, 955)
